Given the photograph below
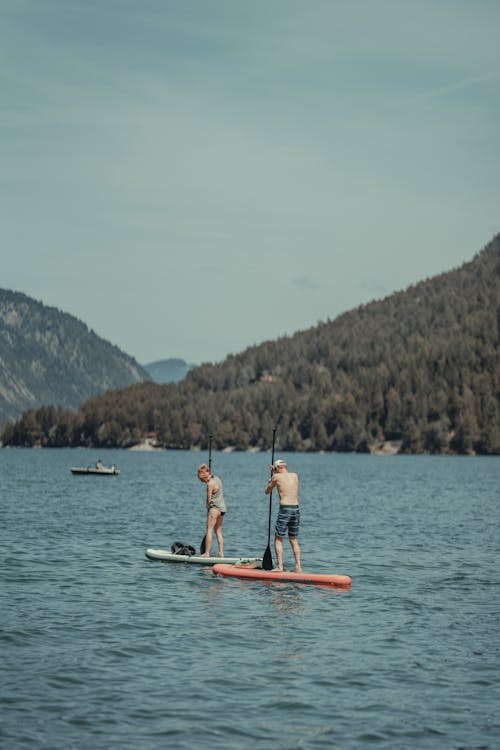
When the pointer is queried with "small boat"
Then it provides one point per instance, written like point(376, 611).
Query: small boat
point(95, 470)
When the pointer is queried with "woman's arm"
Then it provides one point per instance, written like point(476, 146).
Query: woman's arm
point(211, 486)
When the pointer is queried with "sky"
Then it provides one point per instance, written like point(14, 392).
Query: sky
point(193, 178)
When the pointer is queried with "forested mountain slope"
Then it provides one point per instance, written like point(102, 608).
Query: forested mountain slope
point(420, 368)
point(50, 357)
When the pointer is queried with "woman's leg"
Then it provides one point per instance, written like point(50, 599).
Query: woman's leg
point(212, 515)
point(218, 534)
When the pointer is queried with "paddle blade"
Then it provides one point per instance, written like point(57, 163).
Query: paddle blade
point(203, 545)
point(267, 560)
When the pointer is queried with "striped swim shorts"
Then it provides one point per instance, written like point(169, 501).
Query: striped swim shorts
point(288, 518)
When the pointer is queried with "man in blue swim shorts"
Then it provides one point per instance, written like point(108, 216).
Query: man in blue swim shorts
point(288, 519)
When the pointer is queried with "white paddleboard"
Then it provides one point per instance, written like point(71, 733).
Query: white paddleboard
point(165, 556)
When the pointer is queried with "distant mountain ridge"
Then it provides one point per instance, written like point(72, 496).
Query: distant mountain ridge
point(168, 370)
point(50, 357)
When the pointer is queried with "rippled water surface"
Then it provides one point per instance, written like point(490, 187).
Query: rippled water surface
point(102, 649)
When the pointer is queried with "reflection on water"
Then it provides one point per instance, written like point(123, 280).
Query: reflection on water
point(285, 598)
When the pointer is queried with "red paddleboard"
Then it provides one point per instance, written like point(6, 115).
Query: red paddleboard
point(256, 574)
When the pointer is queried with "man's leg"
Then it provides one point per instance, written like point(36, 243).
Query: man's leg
point(296, 553)
point(278, 546)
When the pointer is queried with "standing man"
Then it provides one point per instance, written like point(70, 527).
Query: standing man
point(216, 509)
point(289, 514)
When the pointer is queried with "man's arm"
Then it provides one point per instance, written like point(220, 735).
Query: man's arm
point(271, 484)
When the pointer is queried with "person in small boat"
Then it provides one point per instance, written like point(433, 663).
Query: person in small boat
point(216, 509)
point(99, 465)
point(287, 484)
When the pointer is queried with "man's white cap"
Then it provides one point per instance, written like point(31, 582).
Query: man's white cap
point(279, 462)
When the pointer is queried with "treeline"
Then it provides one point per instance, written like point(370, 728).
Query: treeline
point(420, 368)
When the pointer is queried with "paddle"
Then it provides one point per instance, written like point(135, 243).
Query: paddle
point(203, 544)
point(267, 560)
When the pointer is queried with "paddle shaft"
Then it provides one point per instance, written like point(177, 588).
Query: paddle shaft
point(267, 560)
point(203, 544)
point(271, 493)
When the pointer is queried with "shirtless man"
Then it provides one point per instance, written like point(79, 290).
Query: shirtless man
point(289, 514)
point(216, 509)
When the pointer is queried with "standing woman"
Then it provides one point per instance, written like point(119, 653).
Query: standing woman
point(216, 509)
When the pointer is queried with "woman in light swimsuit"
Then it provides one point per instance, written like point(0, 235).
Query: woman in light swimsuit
point(216, 509)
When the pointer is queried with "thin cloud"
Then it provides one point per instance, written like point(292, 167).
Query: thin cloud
point(305, 283)
point(374, 287)
point(464, 83)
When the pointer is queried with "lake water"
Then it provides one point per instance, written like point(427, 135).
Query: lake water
point(102, 649)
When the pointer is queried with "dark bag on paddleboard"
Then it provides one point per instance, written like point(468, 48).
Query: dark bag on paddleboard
point(182, 549)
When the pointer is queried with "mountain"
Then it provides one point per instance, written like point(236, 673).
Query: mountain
point(168, 370)
point(417, 372)
point(50, 357)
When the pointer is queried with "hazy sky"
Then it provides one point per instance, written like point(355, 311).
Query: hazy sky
point(191, 177)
